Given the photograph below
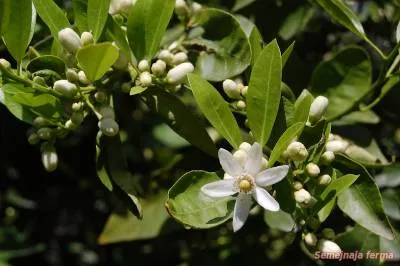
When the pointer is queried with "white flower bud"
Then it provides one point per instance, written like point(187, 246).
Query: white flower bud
point(297, 185)
point(77, 106)
point(45, 133)
point(77, 117)
point(108, 127)
point(5, 64)
point(296, 151)
point(144, 65)
point(70, 40)
point(107, 112)
point(181, 8)
point(70, 125)
point(33, 139)
point(65, 87)
point(83, 78)
point(324, 179)
point(312, 170)
point(336, 146)
point(71, 75)
point(166, 56)
point(243, 90)
point(328, 233)
point(40, 121)
point(318, 109)
point(310, 239)
point(328, 246)
point(86, 38)
point(120, 6)
point(302, 196)
point(145, 79)
point(158, 68)
point(178, 74)
point(264, 163)
point(245, 146)
point(49, 157)
point(241, 105)
point(231, 89)
point(327, 157)
point(240, 156)
point(179, 58)
point(360, 154)
point(100, 97)
point(196, 7)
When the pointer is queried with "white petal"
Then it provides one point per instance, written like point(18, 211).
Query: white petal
point(228, 163)
point(265, 200)
point(222, 188)
point(241, 211)
point(272, 175)
point(254, 159)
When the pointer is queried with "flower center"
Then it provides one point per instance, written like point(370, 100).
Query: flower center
point(244, 184)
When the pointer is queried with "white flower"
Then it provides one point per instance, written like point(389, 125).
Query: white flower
point(247, 182)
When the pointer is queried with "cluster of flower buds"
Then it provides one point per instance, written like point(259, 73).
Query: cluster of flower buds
point(71, 41)
point(325, 243)
point(122, 7)
point(236, 91)
point(183, 10)
point(318, 109)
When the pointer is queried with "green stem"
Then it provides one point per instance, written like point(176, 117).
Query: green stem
point(376, 48)
point(91, 106)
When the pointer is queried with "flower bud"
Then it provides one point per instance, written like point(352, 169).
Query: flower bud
point(231, 89)
point(312, 170)
point(5, 64)
point(328, 246)
point(77, 106)
point(71, 75)
point(178, 74)
point(158, 68)
point(66, 88)
point(359, 154)
point(49, 157)
point(77, 117)
point(196, 7)
point(336, 146)
point(302, 196)
point(243, 90)
point(70, 40)
point(70, 125)
point(144, 65)
point(145, 79)
point(86, 38)
point(240, 156)
point(83, 78)
point(327, 157)
point(107, 112)
point(245, 146)
point(181, 8)
point(40, 121)
point(296, 151)
point(328, 233)
point(120, 6)
point(241, 105)
point(310, 239)
point(179, 58)
point(264, 163)
point(318, 109)
point(33, 139)
point(39, 80)
point(166, 56)
point(324, 180)
point(100, 96)
point(297, 185)
point(108, 127)
point(45, 133)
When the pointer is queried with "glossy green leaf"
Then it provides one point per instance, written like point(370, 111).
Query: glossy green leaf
point(287, 53)
point(362, 202)
point(389, 85)
point(215, 109)
point(147, 23)
point(264, 92)
point(80, 14)
point(226, 51)
point(302, 106)
point(116, 33)
point(96, 59)
point(390, 177)
point(126, 227)
point(256, 44)
point(358, 117)
point(284, 141)
point(188, 205)
point(344, 80)
point(179, 118)
point(279, 220)
point(339, 11)
point(52, 15)
point(20, 27)
point(296, 22)
point(391, 203)
point(239, 4)
point(97, 13)
point(49, 62)
point(5, 12)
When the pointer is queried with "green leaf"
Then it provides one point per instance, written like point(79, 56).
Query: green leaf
point(179, 118)
point(80, 14)
point(52, 15)
point(20, 27)
point(287, 53)
point(147, 23)
point(215, 109)
point(5, 11)
point(358, 117)
point(344, 80)
point(391, 203)
point(137, 90)
point(97, 13)
point(302, 106)
point(188, 205)
point(390, 177)
point(280, 220)
point(389, 85)
point(126, 227)
point(49, 62)
point(116, 33)
point(96, 59)
point(338, 10)
point(112, 170)
point(362, 202)
point(264, 92)
point(256, 44)
point(296, 22)
point(284, 142)
point(226, 48)
point(239, 4)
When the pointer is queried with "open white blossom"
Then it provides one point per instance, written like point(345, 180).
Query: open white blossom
point(247, 182)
